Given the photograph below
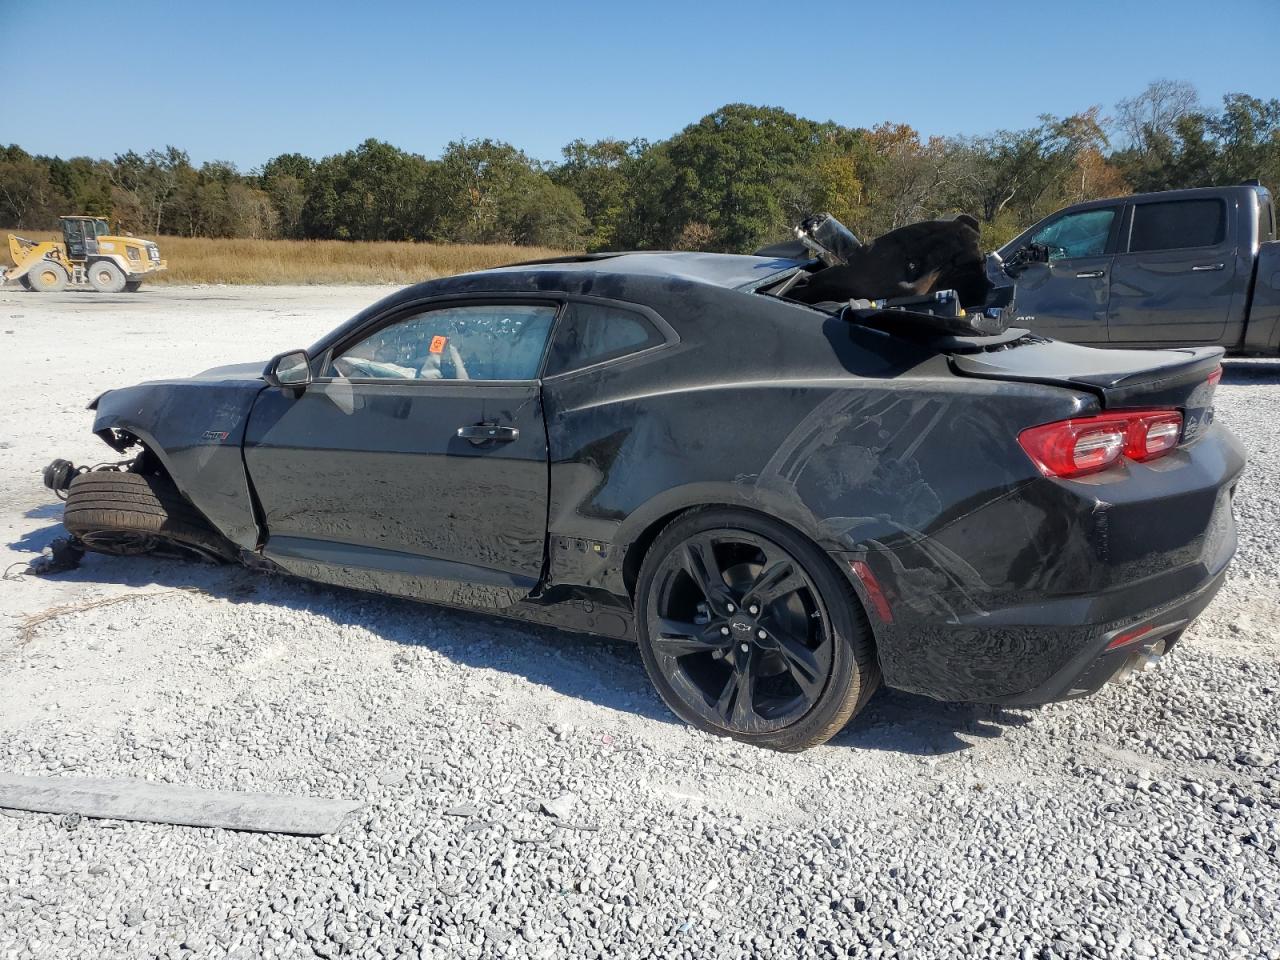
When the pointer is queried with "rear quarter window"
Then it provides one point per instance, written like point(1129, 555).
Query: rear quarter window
point(1266, 222)
point(1177, 225)
point(590, 333)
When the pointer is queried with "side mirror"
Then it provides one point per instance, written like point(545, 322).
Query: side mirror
point(291, 370)
point(1024, 257)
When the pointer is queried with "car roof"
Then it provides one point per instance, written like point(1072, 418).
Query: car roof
point(637, 275)
point(729, 270)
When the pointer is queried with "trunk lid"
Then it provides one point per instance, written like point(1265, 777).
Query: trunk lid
point(1119, 378)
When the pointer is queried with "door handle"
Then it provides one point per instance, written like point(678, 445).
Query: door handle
point(1203, 267)
point(1091, 274)
point(488, 433)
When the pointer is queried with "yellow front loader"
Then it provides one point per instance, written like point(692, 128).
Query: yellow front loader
point(88, 256)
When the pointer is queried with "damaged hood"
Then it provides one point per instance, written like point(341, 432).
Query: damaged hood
point(233, 373)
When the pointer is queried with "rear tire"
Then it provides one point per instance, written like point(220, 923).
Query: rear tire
point(46, 277)
point(106, 277)
point(125, 514)
point(132, 286)
point(789, 670)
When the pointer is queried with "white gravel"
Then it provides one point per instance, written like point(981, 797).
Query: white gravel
point(527, 795)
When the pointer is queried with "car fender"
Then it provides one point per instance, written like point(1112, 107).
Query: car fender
point(196, 430)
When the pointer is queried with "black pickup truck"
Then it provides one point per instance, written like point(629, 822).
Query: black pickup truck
point(1176, 268)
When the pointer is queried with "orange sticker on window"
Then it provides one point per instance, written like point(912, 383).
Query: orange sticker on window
point(437, 344)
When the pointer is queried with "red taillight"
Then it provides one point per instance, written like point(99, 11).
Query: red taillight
point(1076, 448)
point(1215, 376)
point(1153, 434)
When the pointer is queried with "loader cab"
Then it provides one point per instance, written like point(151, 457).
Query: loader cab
point(80, 234)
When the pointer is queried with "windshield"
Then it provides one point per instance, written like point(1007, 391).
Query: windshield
point(100, 228)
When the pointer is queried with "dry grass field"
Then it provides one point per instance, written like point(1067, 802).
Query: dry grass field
point(199, 260)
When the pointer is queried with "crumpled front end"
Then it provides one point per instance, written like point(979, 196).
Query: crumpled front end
point(195, 428)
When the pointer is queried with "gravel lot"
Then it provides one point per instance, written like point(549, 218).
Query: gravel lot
point(1144, 822)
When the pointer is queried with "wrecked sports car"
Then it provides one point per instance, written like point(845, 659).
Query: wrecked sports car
point(784, 486)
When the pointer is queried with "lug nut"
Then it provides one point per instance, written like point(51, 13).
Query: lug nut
point(762, 635)
point(730, 607)
point(746, 647)
point(724, 631)
point(753, 609)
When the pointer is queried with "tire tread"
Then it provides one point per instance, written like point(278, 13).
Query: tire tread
point(104, 501)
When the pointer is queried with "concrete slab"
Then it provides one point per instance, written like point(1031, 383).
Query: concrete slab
point(152, 802)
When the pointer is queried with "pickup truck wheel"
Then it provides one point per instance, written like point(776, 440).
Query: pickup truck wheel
point(747, 630)
point(106, 277)
point(126, 514)
point(47, 277)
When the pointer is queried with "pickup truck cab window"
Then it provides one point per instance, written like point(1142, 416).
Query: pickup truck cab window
point(488, 342)
point(1082, 234)
point(1177, 225)
point(1266, 222)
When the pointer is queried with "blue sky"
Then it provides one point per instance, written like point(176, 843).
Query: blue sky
point(241, 81)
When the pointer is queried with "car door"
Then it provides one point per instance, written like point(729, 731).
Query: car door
point(1066, 298)
point(1175, 273)
point(416, 461)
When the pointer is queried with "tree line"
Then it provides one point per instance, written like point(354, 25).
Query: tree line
point(734, 180)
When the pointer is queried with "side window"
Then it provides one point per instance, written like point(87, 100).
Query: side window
point(592, 333)
point(493, 342)
point(1082, 234)
point(1177, 225)
point(1266, 223)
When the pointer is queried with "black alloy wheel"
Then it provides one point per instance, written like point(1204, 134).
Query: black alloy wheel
point(747, 631)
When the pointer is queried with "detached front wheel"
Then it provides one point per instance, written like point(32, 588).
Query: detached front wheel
point(125, 514)
point(748, 631)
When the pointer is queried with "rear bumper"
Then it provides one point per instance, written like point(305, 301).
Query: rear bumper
point(1098, 661)
point(1016, 601)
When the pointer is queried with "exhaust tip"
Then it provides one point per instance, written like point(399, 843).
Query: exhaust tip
point(1151, 656)
point(1142, 661)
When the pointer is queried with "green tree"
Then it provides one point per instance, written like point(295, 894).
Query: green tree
point(286, 180)
point(1248, 133)
point(490, 192)
point(600, 174)
point(729, 173)
point(370, 193)
point(28, 196)
point(84, 183)
point(144, 186)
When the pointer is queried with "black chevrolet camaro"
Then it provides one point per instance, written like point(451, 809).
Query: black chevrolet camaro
point(783, 503)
